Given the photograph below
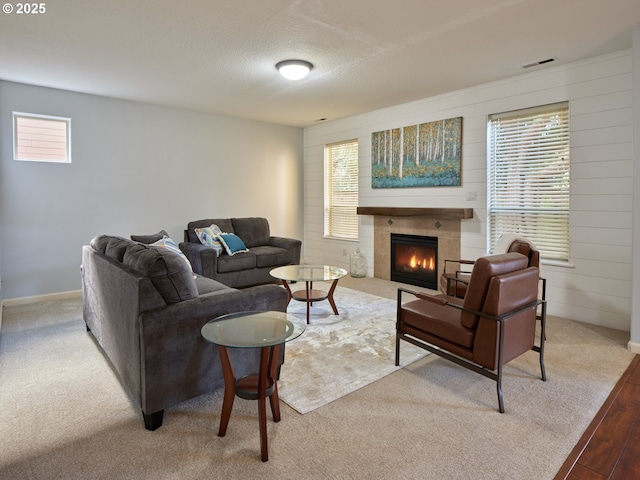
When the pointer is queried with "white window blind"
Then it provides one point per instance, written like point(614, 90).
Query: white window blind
point(341, 189)
point(41, 138)
point(528, 184)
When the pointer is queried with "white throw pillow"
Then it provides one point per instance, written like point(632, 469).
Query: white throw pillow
point(169, 244)
point(209, 236)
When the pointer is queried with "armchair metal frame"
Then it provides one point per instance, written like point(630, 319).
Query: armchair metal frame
point(495, 375)
point(456, 277)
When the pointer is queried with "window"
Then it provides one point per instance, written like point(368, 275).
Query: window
point(528, 177)
point(41, 138)
point(341, 190)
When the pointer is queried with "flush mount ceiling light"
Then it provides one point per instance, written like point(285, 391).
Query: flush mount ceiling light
point(294, 69)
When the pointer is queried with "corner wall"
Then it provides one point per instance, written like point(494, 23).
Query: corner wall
point(136, 169)
point(596, 286)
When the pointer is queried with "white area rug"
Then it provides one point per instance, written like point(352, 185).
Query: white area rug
point(338, 354)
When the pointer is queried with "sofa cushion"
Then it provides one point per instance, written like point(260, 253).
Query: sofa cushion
point(254, 231)
point(232, 243)
point(241, 261)
point(166, 270)
point(112, 247)
point(206, 285)
point(151, 238)
point(169, 274)
point(267, 256)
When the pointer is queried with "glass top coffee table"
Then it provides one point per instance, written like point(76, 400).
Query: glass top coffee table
point(264, 330)
point(309, 274)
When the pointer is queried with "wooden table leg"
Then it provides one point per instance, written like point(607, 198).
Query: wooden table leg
point(273, 373)
point(229, 390)
point(288, 289)
point(258, 386)
point(330, 296)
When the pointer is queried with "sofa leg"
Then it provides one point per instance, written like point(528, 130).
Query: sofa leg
point(152, 421)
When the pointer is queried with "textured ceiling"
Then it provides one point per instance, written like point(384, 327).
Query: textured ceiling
point(219, 56)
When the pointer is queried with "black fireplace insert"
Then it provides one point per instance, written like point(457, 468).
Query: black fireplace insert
point(414, 260)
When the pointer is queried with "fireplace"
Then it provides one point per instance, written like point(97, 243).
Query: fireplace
point(414, 260)
point(443, 223)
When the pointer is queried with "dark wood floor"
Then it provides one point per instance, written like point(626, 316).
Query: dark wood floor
point(610, 446)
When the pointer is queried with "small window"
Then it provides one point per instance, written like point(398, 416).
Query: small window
point(41, 138)
point(341, 190)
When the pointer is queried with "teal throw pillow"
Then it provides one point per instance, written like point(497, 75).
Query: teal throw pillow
point(232, 243)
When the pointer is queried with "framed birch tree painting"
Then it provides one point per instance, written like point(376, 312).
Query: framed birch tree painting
point(424, 155)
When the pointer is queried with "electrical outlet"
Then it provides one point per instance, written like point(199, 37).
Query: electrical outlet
point(344, 252)
point(472, 196)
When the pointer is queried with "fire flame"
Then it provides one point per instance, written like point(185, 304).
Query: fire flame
point(414, 262)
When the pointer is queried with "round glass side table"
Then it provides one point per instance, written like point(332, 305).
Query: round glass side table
point(310, 274)
point(264, 330)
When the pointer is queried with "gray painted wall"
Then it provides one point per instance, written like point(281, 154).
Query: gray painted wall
point(135, 168)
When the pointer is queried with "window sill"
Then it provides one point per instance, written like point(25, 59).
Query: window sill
point(557, 263)
point(353, 240)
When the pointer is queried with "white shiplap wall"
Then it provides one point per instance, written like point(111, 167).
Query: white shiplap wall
point(596, 287)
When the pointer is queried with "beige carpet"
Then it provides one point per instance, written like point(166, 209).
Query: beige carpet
point(63, 414)
point(338, 354)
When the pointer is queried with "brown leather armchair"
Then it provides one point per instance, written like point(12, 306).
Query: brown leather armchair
point(495, 323)
point(455, 278)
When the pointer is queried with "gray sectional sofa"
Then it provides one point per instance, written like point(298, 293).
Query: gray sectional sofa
point(145, 308)
point(244, 269)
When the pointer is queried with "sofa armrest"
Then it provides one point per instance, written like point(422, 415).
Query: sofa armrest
point(204, 260)
point(176, 362)
point(291, 244)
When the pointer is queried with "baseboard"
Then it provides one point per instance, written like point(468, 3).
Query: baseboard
point(633, 347)
point(13, 302)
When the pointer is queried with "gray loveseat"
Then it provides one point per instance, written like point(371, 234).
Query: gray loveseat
point(244, 269)
point(145, 308)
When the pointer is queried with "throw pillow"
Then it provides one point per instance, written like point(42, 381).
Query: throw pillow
point(149, 239)
point(232, 243)
point(167, 243)
point(209, 236)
